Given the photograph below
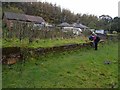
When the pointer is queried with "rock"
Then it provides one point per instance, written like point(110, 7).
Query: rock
point(11, 61)
point(107, 62)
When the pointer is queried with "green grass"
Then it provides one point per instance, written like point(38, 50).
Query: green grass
point(83, 68)
point(41, 43)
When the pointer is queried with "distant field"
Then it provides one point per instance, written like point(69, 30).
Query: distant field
point(84, 68)
point(40, 43)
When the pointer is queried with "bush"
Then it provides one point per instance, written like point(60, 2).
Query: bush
point(114, 32)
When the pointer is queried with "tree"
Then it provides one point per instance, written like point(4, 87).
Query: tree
point(115, 24)
point(52, 13)
point(105, 21)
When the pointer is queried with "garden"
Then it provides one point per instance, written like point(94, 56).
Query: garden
point(82, 68)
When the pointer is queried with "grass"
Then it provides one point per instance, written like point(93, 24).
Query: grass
point(39, 43)
point(82, 68)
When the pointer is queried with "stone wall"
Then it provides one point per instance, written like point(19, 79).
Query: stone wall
point(11, 55)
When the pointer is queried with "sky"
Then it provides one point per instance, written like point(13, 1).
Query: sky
point(95, 7)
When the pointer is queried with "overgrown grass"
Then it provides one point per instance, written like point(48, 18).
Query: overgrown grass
point(40, 43)
point(84, 68)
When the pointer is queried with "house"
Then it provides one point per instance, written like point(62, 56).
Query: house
point(66, 27)
point(10, 17)
point(101, 31)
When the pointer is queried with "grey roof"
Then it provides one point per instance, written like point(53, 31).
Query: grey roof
point(15, 16)
point(65, 24)
point(23, 17)
point(79, 26)
point(35, 19)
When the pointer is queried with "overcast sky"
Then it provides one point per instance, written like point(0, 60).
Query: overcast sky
point(96, 7)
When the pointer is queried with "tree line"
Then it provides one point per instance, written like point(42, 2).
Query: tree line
point(54, 14)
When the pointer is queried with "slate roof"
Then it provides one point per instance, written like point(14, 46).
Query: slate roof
point(65, 24)
point(23, 17)
point(79, 25)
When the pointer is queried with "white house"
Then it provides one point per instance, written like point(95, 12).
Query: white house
point(100, 31)
point(76, 31)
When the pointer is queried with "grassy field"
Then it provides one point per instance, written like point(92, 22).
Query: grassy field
point(40, 43)
point(84, 68)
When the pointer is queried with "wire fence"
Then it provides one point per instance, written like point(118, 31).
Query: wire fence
point(23, 30)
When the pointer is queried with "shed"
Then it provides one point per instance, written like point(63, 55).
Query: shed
point(23, 17)
point(9, 17)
